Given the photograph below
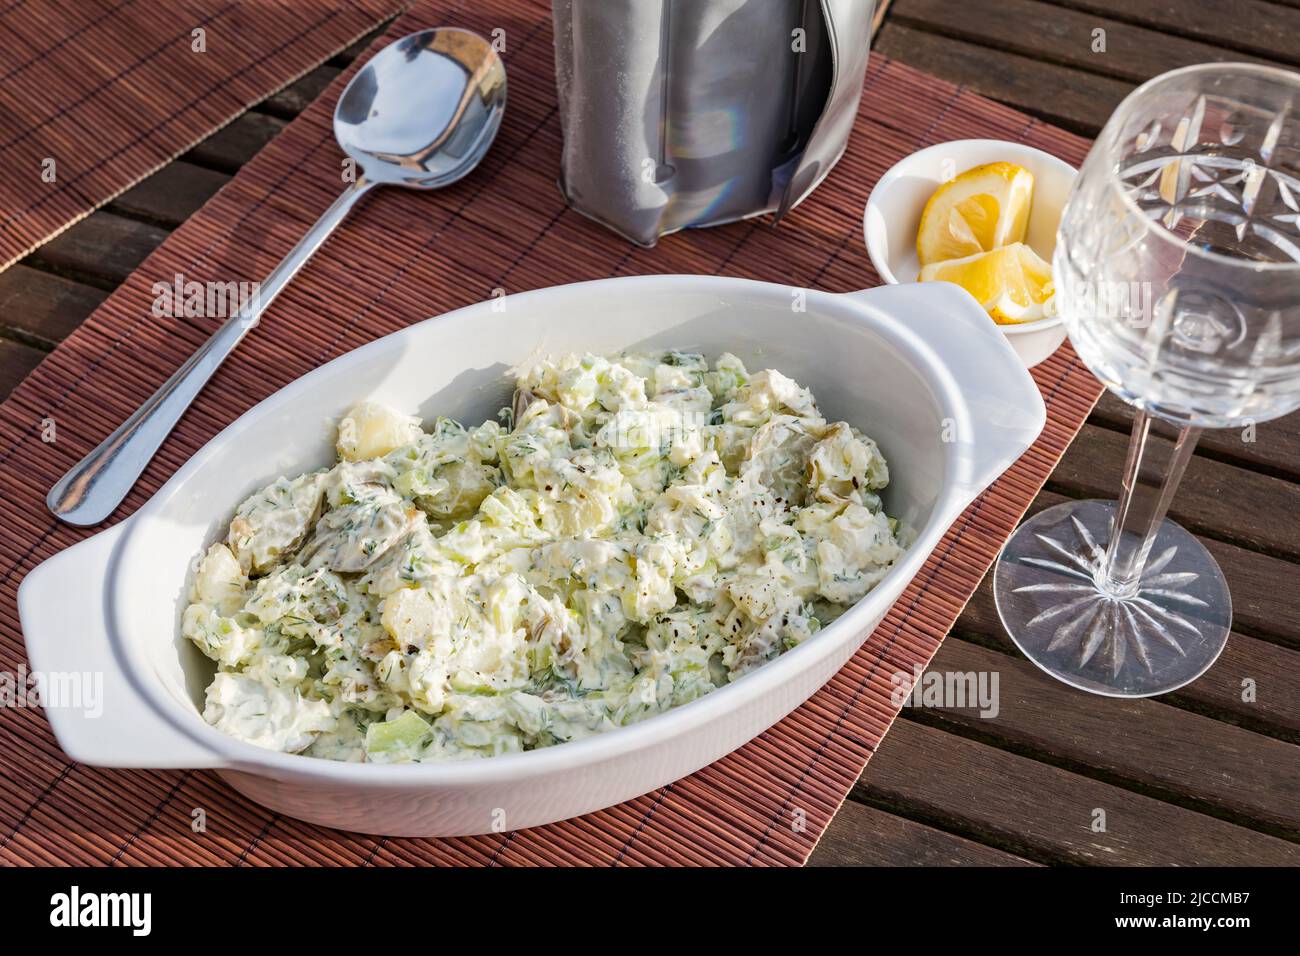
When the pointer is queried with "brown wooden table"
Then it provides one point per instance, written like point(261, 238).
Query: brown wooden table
point(1210, 774)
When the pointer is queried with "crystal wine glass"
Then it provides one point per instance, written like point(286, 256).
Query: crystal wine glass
point(1177, 273)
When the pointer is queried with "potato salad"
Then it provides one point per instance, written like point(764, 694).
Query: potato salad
point(632, 533)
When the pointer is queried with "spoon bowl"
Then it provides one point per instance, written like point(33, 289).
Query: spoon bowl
point(424, 110)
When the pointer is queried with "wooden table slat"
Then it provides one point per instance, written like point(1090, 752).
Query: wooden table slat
point(1259, 27)
point(1272, 447)
point(1270, 703)
point(1132, 54)
point(1042, 811)
point(16, 360)
point(297, 96)
point(1199, 760)
point(234, 145)
point(1067, 97)
point(861, 835)
point(171, 195)
point(103, 248)
point(1240, 506)
point(43, 306)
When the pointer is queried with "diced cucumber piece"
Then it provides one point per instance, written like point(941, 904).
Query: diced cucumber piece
point(405, 731)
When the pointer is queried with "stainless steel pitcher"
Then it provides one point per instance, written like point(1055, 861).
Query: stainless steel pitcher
point(680, 113)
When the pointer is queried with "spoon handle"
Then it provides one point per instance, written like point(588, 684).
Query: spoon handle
point(94, 487)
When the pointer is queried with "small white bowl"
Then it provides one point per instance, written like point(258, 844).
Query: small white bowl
point(893, 216)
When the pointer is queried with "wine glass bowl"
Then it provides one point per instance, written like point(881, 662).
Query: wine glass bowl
point(1177, 271)
point(1178, 259)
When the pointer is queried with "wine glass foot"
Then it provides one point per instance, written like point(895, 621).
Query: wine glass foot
point(1155, 640)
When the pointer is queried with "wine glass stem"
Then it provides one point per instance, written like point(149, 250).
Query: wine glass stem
point(1150, 480)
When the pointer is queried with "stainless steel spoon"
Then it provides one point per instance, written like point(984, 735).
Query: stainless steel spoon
point(420, 114)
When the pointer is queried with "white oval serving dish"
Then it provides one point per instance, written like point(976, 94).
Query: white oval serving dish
point(893, 216)
point(885, 359)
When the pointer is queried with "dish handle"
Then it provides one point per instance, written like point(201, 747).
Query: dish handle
point(999, 411)
point(97, 714)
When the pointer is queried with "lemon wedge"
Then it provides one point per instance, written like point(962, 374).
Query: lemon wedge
point(982, 209)
point(1012, 283)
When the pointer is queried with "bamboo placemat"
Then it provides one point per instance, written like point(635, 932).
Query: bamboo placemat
point(400, 258)
point(97, 94)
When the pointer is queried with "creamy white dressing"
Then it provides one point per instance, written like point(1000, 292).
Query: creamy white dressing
point(638, 531)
